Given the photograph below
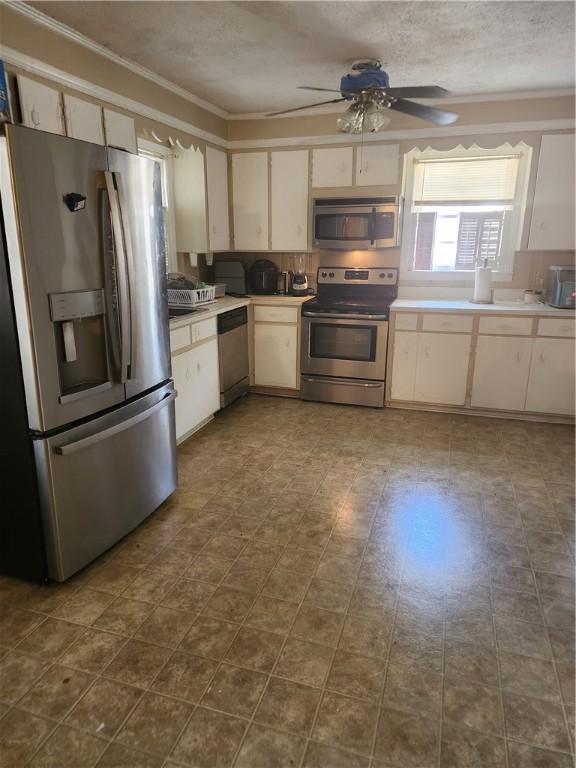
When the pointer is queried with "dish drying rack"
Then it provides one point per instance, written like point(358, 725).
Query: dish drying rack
point(184, 297)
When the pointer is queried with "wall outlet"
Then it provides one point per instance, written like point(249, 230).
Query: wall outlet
point(209, 259)
point(193, 259)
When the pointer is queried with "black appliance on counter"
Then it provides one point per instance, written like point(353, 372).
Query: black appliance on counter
point(263, 277)
point(232, 274)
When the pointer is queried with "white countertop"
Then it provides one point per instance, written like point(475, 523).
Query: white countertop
point(499, 307)
point(227, 303)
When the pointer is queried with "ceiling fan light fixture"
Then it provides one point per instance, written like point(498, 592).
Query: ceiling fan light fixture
point(352, 120)
point(375, 118)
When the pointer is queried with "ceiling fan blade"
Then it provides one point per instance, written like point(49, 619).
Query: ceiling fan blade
point(419, 92)
point(313, 88)
point(308, 106)
point(424, 112)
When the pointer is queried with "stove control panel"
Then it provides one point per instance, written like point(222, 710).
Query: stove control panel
point(358, 276)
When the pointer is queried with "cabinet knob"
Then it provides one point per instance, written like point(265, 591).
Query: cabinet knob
point(34, 117)
point(213, 229)
point(198, 367)
point(542, 358)
point(259, 230)
point(188, 374)
point(298, 229)
point(287, 342)
point(518, 357)
point(427, 351)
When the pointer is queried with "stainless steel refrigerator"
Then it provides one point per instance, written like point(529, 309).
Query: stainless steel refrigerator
point(87, 411)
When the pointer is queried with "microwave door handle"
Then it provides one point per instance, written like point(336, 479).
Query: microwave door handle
point(122, 278)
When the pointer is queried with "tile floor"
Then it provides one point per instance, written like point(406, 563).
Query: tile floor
point(330, 587)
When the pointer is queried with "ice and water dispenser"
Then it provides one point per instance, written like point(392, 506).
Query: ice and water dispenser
point(80, 330)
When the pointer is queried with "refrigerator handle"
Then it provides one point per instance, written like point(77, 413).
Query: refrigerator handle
point(123, 291)
point(86, 442)
point(129, 261)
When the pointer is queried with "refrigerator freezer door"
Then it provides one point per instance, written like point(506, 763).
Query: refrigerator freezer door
point(53, 203)
point(139, 194)
point(98, 481)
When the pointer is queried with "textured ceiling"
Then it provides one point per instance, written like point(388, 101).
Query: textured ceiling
point(251, 56)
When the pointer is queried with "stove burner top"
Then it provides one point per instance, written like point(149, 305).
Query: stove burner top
point(350, 306)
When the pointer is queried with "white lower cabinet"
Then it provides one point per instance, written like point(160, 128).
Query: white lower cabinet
point(404, 365)
point(501, 371)
point(275, 355)
point(551, 383)
point(430, 367)
point(196, 379)
point(442, 368)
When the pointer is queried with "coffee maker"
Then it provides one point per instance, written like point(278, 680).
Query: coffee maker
point(299, 279)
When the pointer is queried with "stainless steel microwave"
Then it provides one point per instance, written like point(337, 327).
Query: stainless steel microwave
point(357, 223)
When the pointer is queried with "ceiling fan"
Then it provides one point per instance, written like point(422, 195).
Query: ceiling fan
point(368, 89)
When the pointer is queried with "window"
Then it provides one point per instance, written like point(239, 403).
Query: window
point(463, 208)
point(163, 156)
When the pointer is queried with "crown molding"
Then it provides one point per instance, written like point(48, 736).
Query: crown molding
point(77, 37)
point(407, 134)
point(485, 97)
point(46, 71)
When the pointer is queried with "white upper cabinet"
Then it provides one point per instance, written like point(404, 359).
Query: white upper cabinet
point(217, 191)
point(551, 383)
point(120, 131)
point(501, 371)
point(250, 200)
point(41, 106)
point(83, 120)
point(442, 368)
point(289, 200)
point(332, 167)
point(190, 201)
point(552, 225)
point(377, 165)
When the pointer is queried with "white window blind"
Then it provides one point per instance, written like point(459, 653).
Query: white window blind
point(465, 180)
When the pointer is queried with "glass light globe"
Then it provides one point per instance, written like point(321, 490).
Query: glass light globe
point(375, 119)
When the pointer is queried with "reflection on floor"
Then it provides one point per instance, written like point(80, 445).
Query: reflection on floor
point(330, 587)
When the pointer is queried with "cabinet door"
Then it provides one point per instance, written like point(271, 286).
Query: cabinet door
point(41, 106)
point(377, 165)
point(404, 365)
point(552, 225)
point(442, 368)
point(501, 372)
point(83, 120)
point(289, 199)
point(275, 350)
point(195, 374)
point(332, 167)
point(250, 201)
point(217, 190)
point(120, 131)
point(189, 201)
point(551, 382)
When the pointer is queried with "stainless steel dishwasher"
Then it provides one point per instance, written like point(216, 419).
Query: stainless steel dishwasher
point(233, 354)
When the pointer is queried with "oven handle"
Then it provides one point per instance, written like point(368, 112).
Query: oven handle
point(342, 382)
point(329, 315)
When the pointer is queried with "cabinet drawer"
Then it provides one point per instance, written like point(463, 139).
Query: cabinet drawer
point(267, 314)
point(452, 323)
point(203, 330)
point(506, 326)
point(179, 338)
point(405, 322)
point(557, 326)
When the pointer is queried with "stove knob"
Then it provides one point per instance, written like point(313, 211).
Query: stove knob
point(382, 274)
point(331, 274)
point(323, 274)
point(391, 275)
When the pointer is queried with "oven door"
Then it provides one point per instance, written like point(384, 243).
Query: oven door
point(345, 346)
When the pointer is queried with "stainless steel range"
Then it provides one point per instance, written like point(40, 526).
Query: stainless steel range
point(345, 335)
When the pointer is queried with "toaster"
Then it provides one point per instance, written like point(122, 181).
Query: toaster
point(560, 287)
